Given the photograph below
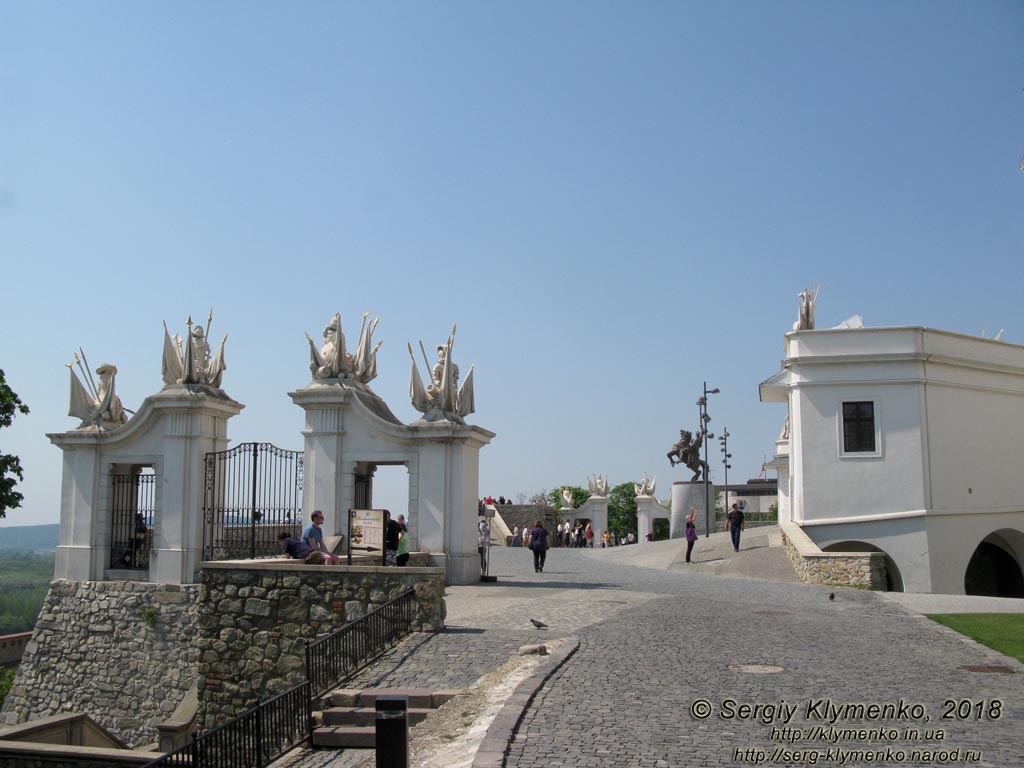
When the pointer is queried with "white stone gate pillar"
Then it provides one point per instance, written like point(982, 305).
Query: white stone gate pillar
point(171, 433)
point(328, 484)
point(648, 509)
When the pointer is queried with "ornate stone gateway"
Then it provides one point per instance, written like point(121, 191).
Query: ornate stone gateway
point(253, 491)
point(209, 503)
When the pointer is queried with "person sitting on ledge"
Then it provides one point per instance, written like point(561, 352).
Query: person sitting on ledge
point(299, 550)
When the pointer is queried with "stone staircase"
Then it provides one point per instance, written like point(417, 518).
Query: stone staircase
point(350, 719)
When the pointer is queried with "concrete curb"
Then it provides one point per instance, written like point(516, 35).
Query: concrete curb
point(502, 730)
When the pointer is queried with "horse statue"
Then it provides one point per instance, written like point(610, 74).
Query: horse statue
point(687, 451)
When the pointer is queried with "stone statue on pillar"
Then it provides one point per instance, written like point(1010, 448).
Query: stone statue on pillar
point(805, 317)
point(333, 361)
point(598, 485)
point(98, 405)
point(190, 361)
point(442, 399)
point(645, 487)
point(567, 502)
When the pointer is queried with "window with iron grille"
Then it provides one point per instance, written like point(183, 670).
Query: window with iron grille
point(859, 427)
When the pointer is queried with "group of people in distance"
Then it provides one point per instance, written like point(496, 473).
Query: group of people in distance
point(489, 501)
point(310, 547)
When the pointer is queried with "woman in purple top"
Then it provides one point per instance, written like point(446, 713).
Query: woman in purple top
point(539, 545)
point(691, 532)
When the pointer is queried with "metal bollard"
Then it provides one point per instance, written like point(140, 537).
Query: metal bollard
point(392, 731)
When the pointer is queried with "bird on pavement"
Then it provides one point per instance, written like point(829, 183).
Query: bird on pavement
point(831, 595)
point(538, 624)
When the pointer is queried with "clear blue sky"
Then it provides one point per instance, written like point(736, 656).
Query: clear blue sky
point(614, 201)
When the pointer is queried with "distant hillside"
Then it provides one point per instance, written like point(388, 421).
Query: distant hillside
point(34, 537)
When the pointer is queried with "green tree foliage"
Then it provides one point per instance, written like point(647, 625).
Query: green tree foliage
point(6, 681)
point(622, 510)
point(10, 465)
point(578, 496)
point(26, 577)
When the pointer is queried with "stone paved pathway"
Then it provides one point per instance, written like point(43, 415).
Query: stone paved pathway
point(654, 640)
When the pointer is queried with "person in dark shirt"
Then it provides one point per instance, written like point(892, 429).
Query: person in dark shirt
point(392, 533)
point(298, 549)
point(734, 521)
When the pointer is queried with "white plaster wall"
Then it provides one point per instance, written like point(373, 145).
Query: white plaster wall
point(975, 435)
point(828, 485)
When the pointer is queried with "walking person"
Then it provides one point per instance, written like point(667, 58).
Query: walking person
point(691, 532)
point(539, 545)
point(734, 522)
point(589, 535)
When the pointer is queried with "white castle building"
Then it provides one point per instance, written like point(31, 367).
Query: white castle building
point(906, 441)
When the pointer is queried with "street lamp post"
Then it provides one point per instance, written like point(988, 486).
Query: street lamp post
point(702, 404)
point(724, 440)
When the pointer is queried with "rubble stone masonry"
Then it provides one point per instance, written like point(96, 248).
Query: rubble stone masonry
point(122, 652)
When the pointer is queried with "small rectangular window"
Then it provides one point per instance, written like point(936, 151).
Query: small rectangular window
point(859, 427)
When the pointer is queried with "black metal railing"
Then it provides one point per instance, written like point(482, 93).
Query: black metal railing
point(133, 501)
point(340, 654)
point(260, 735)
point(253, 491)
point(254, 739)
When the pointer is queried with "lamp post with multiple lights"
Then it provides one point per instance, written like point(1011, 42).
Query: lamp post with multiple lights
point(702, 404)
point(724, 440)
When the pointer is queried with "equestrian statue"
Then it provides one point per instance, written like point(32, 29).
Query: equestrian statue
point(687, 451)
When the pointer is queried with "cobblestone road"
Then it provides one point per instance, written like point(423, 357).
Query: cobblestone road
point(655, 640)
point(625, 698)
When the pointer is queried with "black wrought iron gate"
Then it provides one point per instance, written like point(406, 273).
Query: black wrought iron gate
point(253, 491)
point(133, 501)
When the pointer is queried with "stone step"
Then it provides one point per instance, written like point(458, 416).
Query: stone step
point(367, 715)
point(351, 721)
point(351, 736)
point(419, 698)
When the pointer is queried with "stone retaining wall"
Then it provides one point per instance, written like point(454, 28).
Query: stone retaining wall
point(256, 618)
point(119, 651)
point(850, 569)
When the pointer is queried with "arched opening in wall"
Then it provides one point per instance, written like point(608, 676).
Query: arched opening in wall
point(893, 577)
point(994, 569)
point(391, 492)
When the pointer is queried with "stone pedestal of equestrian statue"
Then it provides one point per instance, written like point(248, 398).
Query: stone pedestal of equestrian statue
point(686, 494)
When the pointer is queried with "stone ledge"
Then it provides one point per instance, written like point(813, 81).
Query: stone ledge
point(812, 566)
point(294, 565)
